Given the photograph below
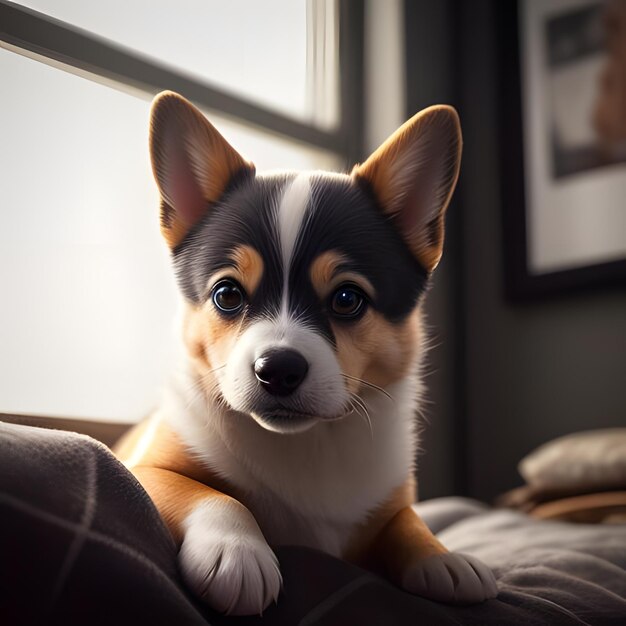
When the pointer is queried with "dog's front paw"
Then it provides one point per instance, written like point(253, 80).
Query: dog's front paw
point(226, 561)
point(452, 578)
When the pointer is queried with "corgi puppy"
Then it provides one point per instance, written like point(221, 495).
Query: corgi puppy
point(293, 419)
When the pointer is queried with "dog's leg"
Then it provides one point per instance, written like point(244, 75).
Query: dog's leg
point(223, 555)
point(414, 559)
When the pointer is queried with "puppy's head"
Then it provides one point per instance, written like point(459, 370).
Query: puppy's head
point(301, 287)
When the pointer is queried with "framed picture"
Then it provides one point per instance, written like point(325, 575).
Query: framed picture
point(563, 130)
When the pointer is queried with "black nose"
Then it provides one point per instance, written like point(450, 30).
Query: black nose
point(280, 371)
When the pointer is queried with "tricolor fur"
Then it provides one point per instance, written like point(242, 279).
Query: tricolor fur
point(326, 272)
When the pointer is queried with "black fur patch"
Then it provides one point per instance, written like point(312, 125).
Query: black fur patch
point(243, 216)
point(341, 216)
point(346, 217)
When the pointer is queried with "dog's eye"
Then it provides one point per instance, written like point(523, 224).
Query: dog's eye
point(228, 297)
point(348, 301)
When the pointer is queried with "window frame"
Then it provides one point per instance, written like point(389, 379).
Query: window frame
point(49, 40)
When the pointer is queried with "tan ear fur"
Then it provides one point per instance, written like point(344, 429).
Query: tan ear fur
point(413, 174)
point(192, 163)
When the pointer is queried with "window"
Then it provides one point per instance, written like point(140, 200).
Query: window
point(88, 296)
point(255, 50)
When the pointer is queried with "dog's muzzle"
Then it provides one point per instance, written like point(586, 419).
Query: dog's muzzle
point(280, 371)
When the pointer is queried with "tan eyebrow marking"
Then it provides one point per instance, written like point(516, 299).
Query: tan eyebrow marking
point(247, 269)
point(325, 274)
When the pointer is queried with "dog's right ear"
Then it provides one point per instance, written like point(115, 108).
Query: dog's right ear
point(191, 161)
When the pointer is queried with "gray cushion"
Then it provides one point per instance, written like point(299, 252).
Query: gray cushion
point(81, 543)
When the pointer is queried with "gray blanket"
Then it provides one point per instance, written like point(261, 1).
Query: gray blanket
point(81, 543)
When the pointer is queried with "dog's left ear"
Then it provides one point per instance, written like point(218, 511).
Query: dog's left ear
point(191, 161)
point(413, 175)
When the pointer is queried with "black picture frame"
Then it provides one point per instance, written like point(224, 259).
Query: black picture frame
point(519, 284)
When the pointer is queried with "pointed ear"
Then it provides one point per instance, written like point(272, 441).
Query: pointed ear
point(192, 163)
point(413, 175)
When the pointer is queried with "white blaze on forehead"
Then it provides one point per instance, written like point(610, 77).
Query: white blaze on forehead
point(291, 212)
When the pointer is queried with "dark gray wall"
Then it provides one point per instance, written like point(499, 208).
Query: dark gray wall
point(503, 378)
point(430, 80)
point(534, 371)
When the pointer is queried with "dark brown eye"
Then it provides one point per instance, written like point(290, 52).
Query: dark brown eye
point(228, 297)
point(348, 302)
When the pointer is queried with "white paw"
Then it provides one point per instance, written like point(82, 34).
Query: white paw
point(451, 577)
point(226, 561)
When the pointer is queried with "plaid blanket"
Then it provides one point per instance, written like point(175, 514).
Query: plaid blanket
point(81, 543)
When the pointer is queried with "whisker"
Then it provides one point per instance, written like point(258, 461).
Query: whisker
point(204, 387)
point(196, 392)
point(357, 401)
point(368, 384)
point(354, 407)
point(215, 369)
point(428, 372)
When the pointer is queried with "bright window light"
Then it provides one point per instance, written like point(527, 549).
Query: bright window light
point(279, 53)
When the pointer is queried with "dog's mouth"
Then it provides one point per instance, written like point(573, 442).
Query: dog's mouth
point(283, 416)
point(285, 419)
point(286, 413)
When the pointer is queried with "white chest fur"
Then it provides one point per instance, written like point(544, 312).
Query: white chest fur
point(307, 488)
